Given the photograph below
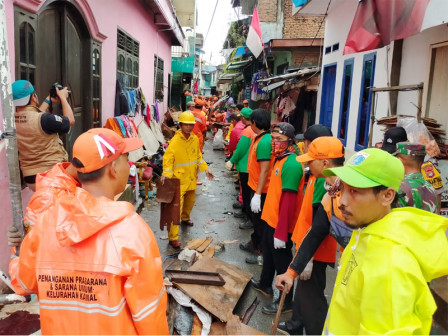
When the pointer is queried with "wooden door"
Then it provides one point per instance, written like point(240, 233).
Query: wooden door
point(63, 56)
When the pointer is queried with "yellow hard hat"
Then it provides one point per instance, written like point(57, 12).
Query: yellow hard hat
point(187, 118)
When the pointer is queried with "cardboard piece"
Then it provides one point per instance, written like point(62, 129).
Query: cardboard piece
point(149, 140)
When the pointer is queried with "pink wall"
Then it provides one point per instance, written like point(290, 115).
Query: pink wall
point(103, 18)
point(130, 16)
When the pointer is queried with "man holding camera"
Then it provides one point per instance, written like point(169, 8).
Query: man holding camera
point(37, 131)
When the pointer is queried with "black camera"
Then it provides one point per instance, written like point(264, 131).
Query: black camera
point(53, 92)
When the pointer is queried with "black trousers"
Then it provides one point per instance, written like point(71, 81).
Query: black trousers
point(246, 191)
point(310, 305)
point(275, 260)
point(259, 224)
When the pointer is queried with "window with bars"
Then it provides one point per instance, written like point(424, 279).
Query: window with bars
point(27, 54)
point(127, 60)
point(158, 77)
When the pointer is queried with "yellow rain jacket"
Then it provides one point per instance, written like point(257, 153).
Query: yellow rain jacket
point(182, 160)
point(381, 287)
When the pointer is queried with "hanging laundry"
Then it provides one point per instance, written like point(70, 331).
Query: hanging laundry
point(121, 103)
point(156, 108)
point(113, 125)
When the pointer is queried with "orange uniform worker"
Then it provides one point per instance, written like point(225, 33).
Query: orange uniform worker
point(259, 167)
point(280, 214)
point(200, 128)
point(93, 262)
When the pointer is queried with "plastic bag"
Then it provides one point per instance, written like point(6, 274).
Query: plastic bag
point(218, 141)
point(419, 134)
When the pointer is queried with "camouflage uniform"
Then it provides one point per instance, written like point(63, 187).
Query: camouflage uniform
point(414, 190)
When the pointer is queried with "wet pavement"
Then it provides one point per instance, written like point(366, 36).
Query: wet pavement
point(213, 217)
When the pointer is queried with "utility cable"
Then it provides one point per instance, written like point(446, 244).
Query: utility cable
point(211, 21)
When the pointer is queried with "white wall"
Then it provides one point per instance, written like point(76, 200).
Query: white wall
point(415, 66)
point(336, 31)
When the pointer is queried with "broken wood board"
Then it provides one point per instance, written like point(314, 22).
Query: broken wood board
point(209, 252)
point(233, 325)
point(195, 243)
point(149, 140)
point(219, 328)
point(218, 300)
point(204, 245)
point(197, 325)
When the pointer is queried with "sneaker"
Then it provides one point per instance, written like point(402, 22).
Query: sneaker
point(246, 225)
point(248, 247)
point(237, 205)
point(271, 309)
point(255, 260)
point(265, 290)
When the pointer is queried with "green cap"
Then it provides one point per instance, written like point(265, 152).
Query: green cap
point(370, 168)
point(408, 148)
point(246, 112)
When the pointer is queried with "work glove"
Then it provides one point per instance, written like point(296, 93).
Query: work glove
point(229, 165)
point(306, 274)
point(279, 244)
point(14, 236)
point(255, 203)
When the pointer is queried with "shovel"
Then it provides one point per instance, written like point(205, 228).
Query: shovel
point(279, 310)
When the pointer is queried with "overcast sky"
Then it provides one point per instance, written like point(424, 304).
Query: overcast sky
point(219, 27)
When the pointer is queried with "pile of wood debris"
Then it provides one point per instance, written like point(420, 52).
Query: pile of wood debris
point(213, 285)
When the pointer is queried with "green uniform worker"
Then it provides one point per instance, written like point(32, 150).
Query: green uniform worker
point(239, 159)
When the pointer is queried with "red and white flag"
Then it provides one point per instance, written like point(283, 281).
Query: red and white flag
point(254, 41)
point(378, 22)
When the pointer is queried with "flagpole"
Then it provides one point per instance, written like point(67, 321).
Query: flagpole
point(266, 61)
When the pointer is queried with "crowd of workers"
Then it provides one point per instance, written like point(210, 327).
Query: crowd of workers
point(96, 267)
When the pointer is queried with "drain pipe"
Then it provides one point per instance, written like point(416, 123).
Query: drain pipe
point(9, 135)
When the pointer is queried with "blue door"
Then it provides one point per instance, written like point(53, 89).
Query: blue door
point(326, 105)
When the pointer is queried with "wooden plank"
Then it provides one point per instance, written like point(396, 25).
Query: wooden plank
point(218, 300)
point(204, 245)
point(195, 243)
point(197, 325)
point(233, 326)
point(209, 252)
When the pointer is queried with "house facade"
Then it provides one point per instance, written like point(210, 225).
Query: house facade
point(344, 99)
point(87, 45)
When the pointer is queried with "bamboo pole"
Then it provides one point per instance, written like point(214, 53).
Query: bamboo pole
point(266, 61)
point(10, 135)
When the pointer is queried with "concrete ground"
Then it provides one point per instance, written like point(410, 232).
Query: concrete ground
point(214, 202)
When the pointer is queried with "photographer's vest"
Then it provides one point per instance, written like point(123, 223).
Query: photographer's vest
point(38, 151)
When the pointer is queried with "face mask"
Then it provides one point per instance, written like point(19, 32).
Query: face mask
point(279, 147)
point(339, 230)
point(334, 188)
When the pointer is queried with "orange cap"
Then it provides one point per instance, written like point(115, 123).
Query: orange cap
point(245, 101)
point(325, 147)
point(99, 146)
point(215, 98)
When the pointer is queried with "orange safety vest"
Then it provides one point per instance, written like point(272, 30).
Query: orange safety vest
point(96, 268)
point(199, 127)
point(271, 212)
point(253, 166)
point(327, 249)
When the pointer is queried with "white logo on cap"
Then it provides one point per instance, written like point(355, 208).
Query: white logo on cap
point(359, 158)
point(103, 145)
point(389, 140)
